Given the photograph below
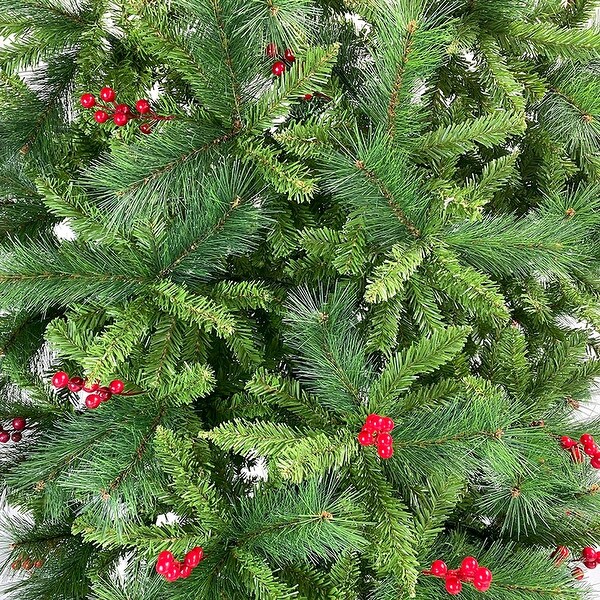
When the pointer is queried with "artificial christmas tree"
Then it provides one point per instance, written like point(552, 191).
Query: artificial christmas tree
point(398, 230)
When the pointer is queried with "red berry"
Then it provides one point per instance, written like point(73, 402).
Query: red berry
point(373, 422)
point(482, 586)
point(93, 401)
point(453, 585)
point(91, 387)
point(278, 68)
point(87, 100)
point(271, 50)
point(4, 437)
point(365, 438)
point(468, 567)
point(384, 439)
point(16, 565)
point(16, 437)
point(438, 568)
point(577, 572)
point(588, 553)
point(308, 97)
point(591, 449)
point(27, 564)
point(104, 393)
point(590, 564)
point(289, 55)
point(18, 423)
point(387, 424)
point(142, 106)
point(385, 451)
point(560, 554)
point(165, 558)
point(162, 568)
point(60, 380)
point(146, 128)
point(576, 455)
point(174, 573)
point(38, 564)
point(481, 576)
point(116, 386)
point(120, 119)
point(76, 384)
point(185, 572)
point(595, 462)
point(101, 116)
point(194, 556)
point(123, 108)
point(107, 94)
point(566, 442)
point(586, 438)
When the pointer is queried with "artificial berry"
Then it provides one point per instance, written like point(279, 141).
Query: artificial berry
point(87, 100)
point(586, 438)
point(588, 553)
point(385, 451)
point(4, 437)
point(438, 568)
point(142, 106)
point(289, 55)
point(123, 108)
point(120, 119)
point(185, 572)
point(27, 564)
point(482, 586)
point(468, 567)
point(18, 423)
point(590, 564)
point(91, 387)
point(271, 50)
point(60, 380)
point(76, 384)
point(104, 393)
point(278, 68)
point(162, 568)
point(576, 455)
point(165, 558)
point(38, 564)
point(146, 128)
point(107, 94)
point(116, 386)
point(373, 422)
point(308, 97)
point(365, 438)
point(16, 437)
point(577, 572)
point(174, 572)
point(566, 442)
point(93, 401)
point(453, 585)
point(591, 449)
point(386, 424)
point(194, 556)
point(481, 576)
point(101, 116)
point(595, 462)
point(16, 565)
point(384, 439)
point(560, 554)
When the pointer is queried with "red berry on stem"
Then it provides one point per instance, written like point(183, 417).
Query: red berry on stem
point(289, 55)
point(482, 576)
point(18, 423)
point(481, 586)
point(576, 455)
point(146, 128)
point(101, 116)
point(365, 438)
point(4, 437)
point(16, 437)
point(387, 424)
point(588, 553)
point(373, 422)
point(308, 97)
point(590, 564)
point(93, 401)
point(38, 564)
point(591, 449)
point(76, 384)
point(174, 572)
point(87, 100)
point(116, 386)
point(16, 565)
point(385, 451)
point(27, 564)
point(60, 380)
point(384, 439)
point(578, 573)
point(91, 387)
point(123, 108)
point(566, 442)
point(120, 119)
point(560, 554)
point(194, 556)
point(278, 68)
point(142, 106)
point(438, 568)
point(586, 438)
point(165, 558)
point(104, 393)
point(453, 586)
point(185, 572)
point(468, 566)
point(107, 94)
point(271, 50)
point(595, 462)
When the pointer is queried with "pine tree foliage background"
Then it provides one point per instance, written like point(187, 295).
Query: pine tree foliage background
point(420, 240)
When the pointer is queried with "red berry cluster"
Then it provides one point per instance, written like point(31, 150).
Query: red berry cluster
point(469, 571)
point(96, 393)
point(172, 570)
point(25, 563)
point(14, 434)
point(376, 430)
point(590, 557)
point(121, 114)
point(279, 66)
point(589, 447)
